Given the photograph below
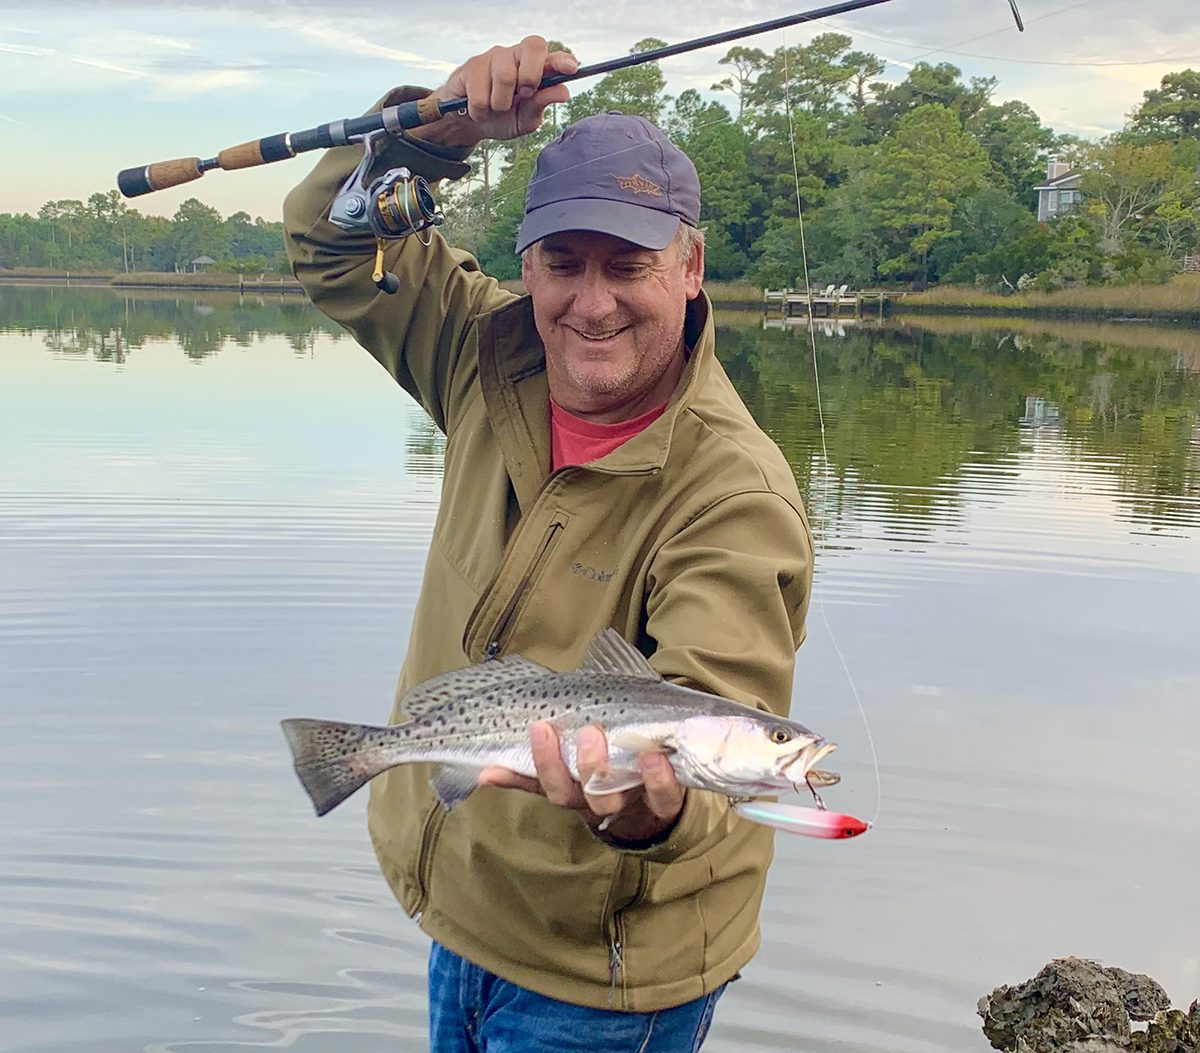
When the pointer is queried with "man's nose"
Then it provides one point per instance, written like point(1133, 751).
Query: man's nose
point(593, 295)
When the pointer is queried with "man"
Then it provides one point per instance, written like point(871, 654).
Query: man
point(600, 470)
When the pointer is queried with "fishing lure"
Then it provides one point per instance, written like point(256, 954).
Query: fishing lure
point(795, 819)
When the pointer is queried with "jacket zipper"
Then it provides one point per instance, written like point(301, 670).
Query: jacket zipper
point(508, 616)
point(429, 836)
point(616, 959)
point(616, 939)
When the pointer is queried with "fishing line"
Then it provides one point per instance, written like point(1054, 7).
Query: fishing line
point(826, 467)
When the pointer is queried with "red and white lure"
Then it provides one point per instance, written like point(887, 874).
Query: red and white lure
point(795, 819)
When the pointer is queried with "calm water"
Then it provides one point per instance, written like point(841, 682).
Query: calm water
point(213, 514)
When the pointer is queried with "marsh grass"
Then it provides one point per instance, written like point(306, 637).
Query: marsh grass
point(1182, 340)
point(1179, 298)
point(741, 294)
point(208, 280)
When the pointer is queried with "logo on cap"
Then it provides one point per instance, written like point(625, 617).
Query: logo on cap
point(639, 185)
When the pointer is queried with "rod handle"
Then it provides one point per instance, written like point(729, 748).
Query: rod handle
point(134, 182)
point(258, 152)
point(244, 155)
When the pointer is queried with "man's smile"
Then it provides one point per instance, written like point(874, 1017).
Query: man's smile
point(598, 336)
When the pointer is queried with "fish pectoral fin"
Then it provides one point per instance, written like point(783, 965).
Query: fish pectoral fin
point(636, 742)
point(610, 652)
point(453, 783)
point(612, 780)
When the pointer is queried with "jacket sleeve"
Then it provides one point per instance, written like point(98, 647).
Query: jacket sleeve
point(421, 333)
point(726, 607)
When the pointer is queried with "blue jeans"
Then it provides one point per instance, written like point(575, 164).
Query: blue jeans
point(474, 1011)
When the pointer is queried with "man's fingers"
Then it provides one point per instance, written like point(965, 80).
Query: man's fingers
point(560, 62)
point(531, 61)
point(591, 752)
point(560, 788)
point(506, 779)
point(504, 78)
point(663, 793)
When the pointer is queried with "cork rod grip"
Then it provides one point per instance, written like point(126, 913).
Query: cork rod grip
point(428, 110)
point(137, 181)
point(245, 155)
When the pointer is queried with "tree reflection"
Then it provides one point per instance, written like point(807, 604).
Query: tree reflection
point(913, 414)
point(909, 410)
point(109, 323)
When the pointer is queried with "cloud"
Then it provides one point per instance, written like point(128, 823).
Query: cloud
point(98, 64)
point(21, 49)
point(207, 81)
point(338, 38)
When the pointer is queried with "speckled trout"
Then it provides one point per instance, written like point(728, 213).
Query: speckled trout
point(471, 718)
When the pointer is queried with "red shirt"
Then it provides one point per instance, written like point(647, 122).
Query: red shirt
point(576, 441)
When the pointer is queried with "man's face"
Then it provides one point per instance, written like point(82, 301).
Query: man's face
point(610, 315)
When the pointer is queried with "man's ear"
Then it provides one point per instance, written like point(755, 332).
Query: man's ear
point(527, 264)
point(693, 273)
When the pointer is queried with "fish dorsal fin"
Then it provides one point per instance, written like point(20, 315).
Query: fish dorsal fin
point(469, 684)
point(611, 653)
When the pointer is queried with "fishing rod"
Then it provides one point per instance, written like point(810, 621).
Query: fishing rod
point(134, 182)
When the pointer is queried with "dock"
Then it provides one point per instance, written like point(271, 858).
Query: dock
point(831, 302)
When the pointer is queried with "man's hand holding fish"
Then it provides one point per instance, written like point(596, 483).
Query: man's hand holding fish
point(635, 816)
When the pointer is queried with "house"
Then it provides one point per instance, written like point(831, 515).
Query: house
point(202, 263)
point(1060, 193)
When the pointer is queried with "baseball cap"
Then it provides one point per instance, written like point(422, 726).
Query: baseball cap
point(614, 173)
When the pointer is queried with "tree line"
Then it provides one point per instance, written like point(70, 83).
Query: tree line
point(922, 181)
point(927, 180)
point(105, 234)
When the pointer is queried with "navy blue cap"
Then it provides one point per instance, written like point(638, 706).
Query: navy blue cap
point(612, 173)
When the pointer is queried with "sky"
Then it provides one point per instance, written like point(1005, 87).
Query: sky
point(88, 89)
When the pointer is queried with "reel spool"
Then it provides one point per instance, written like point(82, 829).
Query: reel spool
point(392, 206)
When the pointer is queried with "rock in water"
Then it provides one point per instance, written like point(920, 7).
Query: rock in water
point(1171, 1031)
point(1076, 1006)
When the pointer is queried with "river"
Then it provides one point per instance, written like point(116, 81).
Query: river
point(214, 513)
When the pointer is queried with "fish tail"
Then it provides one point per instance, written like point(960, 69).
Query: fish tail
point(334, 759)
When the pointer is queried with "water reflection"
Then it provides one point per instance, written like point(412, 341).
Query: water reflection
point(215, 514)
point(110, 324)
point(906, 407)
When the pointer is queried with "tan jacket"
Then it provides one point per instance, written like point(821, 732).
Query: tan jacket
point(690, 539)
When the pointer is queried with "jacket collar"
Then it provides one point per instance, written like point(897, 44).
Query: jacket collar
point(512, 373)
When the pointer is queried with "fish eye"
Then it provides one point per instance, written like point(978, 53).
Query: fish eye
point(780, 735)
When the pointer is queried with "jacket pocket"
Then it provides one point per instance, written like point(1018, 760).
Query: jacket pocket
point(663, 935)
point(491, 623)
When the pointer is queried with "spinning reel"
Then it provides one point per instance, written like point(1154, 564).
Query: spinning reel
point(391, 206)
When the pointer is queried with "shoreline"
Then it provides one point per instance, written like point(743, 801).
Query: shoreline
point(732, 296)
point(1107, 314)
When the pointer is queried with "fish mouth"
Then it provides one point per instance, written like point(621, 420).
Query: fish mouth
point(797, 769)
